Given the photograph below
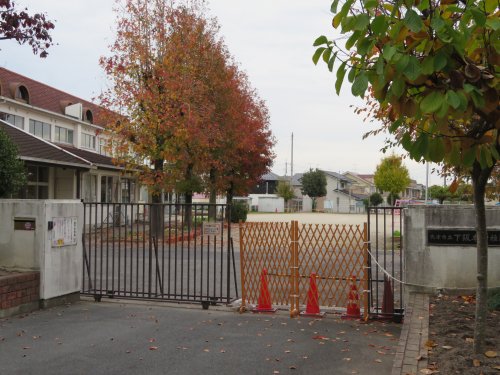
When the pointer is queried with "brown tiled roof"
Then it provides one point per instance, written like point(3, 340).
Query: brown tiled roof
point(32, 148)
point(366, 176)
point(42, 95)
point(102, 161)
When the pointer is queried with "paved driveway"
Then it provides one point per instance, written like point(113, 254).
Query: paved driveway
point(137, 338)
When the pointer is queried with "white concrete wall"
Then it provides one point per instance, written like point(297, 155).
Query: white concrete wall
point(60, 267)
point(307, 204)
point(271, 204)
point(445, 267)
point(344, 204)
point(18, 247)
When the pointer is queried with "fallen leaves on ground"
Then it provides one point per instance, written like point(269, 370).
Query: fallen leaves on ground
point(490, 354)
point(428, 371)
point(319, 337)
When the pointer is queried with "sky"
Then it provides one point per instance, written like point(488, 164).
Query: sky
point(271, 39)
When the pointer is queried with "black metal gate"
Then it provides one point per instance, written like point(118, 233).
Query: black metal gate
point(172, 252)
point(385, 262)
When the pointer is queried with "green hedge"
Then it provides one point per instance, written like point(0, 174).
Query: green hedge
point(239, 211)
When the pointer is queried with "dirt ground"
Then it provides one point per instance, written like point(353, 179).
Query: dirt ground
point(451, 332)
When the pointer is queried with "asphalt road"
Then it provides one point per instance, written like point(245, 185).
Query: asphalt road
point(132, 338)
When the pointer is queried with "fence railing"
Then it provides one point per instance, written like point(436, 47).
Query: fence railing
point(385, 246)
point(158, 251)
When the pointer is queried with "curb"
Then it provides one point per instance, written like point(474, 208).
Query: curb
point(411, 354)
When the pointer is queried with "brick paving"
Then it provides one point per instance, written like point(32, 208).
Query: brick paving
point(411, 354)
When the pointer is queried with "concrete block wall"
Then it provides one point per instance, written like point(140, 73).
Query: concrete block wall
point(451, 268)
point(59, 267)
point(19, 293)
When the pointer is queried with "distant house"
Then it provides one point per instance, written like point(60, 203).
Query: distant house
point(339, 196)
point(414, 191)
point(267, 184)
point(263, 195)
point(362, 184)
point(59, 138)
point(297, 184)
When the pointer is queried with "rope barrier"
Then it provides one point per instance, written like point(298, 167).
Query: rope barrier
point(400, 281)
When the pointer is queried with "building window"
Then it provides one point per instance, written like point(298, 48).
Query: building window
point(88, 141)
point(109, 189)
point(63, 135)
point(128, 190)
point(22, 94)
point(89, 117)
point(38, 182)
point(15, 120)
point(40, 129)
point(103, 147)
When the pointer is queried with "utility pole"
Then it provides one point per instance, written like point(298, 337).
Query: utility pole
point(291, 163)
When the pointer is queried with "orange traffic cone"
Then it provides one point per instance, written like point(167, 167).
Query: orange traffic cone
point(353, 311)
point(312, 308)
point(264, 301)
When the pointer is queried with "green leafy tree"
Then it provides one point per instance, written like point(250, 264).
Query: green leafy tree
point(12, 172)
point(493, 187)
point(440, 193)
point(432, 68)
point(314, 184)
point(376, 199)
point(464, 192)
point(285, 191)
point(391, 176)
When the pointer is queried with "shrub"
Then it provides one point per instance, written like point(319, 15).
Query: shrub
point(376, 199)
point(494, 299)
point(392, 198)
point(239, 211)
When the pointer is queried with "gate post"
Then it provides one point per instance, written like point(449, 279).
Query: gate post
point(294, 269)
point(366, 291)
point(242, 266)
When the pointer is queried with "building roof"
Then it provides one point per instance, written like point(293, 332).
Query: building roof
point(270, 177)
point(338, 176)
point(31, 148)
point(99, 160)
point(363, 178)
point(42, 95)
point(296, 179)
point(368, 177)
point(357, 197)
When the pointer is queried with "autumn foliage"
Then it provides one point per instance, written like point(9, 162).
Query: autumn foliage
point(432, 70)
point(180, 112)
point(22, 27)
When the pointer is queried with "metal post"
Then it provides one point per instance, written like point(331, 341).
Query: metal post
point(365, 271)
point(242, 267)
point(294, 269)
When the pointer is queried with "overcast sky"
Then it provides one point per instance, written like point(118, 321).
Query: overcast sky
point(272, 40)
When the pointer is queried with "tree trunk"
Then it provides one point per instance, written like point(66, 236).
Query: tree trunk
point(479, 179)
point(213, 196)
point(188, 198)
point(156, 208)
point(229, 199)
